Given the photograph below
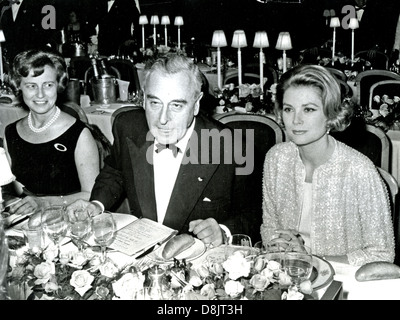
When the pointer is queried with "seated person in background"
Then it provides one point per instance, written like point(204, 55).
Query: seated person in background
point(316, 189)
point(53, 155)
point(188, 191)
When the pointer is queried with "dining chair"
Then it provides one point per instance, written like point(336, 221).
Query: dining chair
point(345, 90)
point(388, 87)
point(393, 189)
point(248, 77)
point(365, 79)
point(121, 110)
point(367, 139)
point(378, 59)
point(128, 72)
point(339, 74)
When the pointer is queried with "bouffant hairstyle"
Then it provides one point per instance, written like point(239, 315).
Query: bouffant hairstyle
point(36, 60)
point(338, 113)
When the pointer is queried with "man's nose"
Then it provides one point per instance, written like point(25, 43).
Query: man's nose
point(164, 115)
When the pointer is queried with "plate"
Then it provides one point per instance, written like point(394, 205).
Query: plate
point(195, 251)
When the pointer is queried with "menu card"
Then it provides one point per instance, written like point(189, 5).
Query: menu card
point(140, 235)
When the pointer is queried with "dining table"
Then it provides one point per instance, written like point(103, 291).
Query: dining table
point(338, 279)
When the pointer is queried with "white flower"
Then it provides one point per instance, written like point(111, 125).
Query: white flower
point(273, 265)
point(50, 253)
point(81, 280)
point(127, 286)
point(195, 281)
point(284, 279)
point(44, 271)
point(108, 269)
point(78, 258)
point(208, 290)
point(377, 99)
point(233, 288)
point(237, 266)
point(51, 286)
point(259, 282)
point(292, 294)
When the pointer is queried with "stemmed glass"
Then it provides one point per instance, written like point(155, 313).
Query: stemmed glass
point(298, 263)
point(55, 223)
point(80, 226)
point(103, 227)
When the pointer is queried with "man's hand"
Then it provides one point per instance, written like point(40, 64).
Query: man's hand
point(285, 238)
point(207, 231)
point(93, 208)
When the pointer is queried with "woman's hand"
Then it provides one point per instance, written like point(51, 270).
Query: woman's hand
point(27, 205)
point(93, 208)
point(285, 238)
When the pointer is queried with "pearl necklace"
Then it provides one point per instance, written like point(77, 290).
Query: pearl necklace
point(47, 125)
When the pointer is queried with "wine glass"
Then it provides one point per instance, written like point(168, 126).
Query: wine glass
point(298, 263)
point(55, 223)
point(103, 227)
point(80, 226)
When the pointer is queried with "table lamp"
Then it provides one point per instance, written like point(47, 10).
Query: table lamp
point(143, 20)
point(353, 25)
point(326, 14)
point(154, 21)
point(2, 39)
point(179, 22)
point(165, 21)
point(239, 41)
point(334, 24)
point(6, 175)
point(261, 41)
point(218, 41)
point(284, 43)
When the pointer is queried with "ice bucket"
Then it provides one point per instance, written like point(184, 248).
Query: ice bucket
point(104, 90)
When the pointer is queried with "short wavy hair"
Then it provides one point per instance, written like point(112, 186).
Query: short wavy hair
point(35, 60)
point(172, 63)
point(338, 113)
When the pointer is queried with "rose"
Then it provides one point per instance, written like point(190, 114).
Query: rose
point(195, 281)
point(237, 266)
point(208, 290)
point(50, 253)
point(203, 272)
point(273, 265)
point(267, 273)
point(259, 264)
point(292, 294)
point(384, 110)
point(126, 287)
point(377, 99)
point(51, 286)
point(81, 280)
point(233, 288)
point(244, 90)
point(108, 269)
point(396, 99)
point(284, 279)
point(259, 282)
point(43, 272)
point(255, 90)
point(78, 258)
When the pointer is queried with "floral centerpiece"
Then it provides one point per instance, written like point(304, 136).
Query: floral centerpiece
point(245, 97)
point(81, 276)
point(384, 112)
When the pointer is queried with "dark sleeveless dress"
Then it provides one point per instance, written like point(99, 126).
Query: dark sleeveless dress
point(45, 168)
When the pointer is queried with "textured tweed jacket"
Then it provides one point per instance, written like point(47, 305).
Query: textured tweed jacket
point(351, 209)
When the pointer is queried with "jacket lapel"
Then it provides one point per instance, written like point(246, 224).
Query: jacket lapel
point(144, 177)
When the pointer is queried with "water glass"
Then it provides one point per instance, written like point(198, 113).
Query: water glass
point(240, 240)
point(298, 263)
point(34, 236)
point(104, 228)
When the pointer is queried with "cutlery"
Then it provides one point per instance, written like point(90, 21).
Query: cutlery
point(157, 245)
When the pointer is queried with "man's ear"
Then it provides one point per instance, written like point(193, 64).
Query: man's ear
point(197, 104)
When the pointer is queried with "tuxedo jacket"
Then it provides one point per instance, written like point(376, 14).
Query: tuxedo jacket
point(26, 32)
point(115, 25)
point(200, 191)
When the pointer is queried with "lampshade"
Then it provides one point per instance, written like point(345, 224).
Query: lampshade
point(353, 23)
point(332, 12)
point(261, 40)
point(6, 175)
point(219, 39)
point(178, 21)
point(165, 20)
point(154, 20)
point(143, 20)
point(239, 39)
point(284, 41)
point(2, 37)
point(335, 22)
point(326, 13)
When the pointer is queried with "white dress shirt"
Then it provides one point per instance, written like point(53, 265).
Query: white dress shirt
point(110, 4)
point(15, 7)
point(166, 168)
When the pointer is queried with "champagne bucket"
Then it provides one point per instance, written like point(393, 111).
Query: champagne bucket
point(104, 90)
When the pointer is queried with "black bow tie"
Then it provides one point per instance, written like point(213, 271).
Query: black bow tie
point(358, 8)
point(160, 147)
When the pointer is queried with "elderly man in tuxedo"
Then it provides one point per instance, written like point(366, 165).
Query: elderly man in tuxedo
point(176, 166)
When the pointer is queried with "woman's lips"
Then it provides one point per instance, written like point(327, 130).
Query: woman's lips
point(299, 132)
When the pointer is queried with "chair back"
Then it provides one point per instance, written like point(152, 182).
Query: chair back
point(378, 59)
point(121, 110)
point(365, 79)
point(248, 77)
point(367, 139)
point(339, 74)
point(128, 72)
point(389, 87)
point(267, 132)
point(393, 189)
point(74, 110)
point(345, 90)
